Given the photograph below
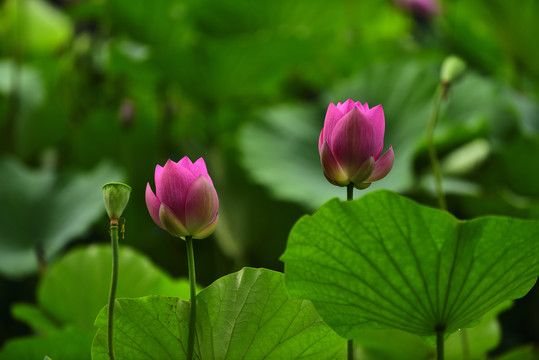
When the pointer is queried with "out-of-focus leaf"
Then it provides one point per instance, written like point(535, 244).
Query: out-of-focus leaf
point(40, 322)
point(34, 26)
point(519, 171)
point(40, 209)
point(247, 314)
point(67, 344)
point(25, 80)
point(526, 352)
point(77, 286)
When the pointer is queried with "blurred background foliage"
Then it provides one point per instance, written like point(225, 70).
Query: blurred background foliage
point(94, 91)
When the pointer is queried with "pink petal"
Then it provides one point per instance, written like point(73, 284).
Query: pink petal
point(347, 106)
point(333, 115)
point(153, 204)
point(199, 168)
point(171, 222)
point(185, 163)
point(158, 174)
point(352, 141)
point(383, 166)
point(201, 204)
point(207, 230)
point(321, 141)
point(172, 189)
point(332, 170)
point(376, 115)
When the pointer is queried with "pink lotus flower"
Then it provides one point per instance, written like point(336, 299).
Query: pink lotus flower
point(351, 143)
point(186, 203)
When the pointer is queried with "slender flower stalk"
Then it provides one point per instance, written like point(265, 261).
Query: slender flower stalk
point(116, 197)
point(192, 299)
point(452, 69)
point(431, 126)
point(349, 197)
point(113, 285)
point(186, 205)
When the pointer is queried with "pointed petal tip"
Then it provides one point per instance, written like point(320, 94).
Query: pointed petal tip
point(382, 166)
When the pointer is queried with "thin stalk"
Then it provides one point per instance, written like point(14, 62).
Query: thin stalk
point(440, 344)
point(440, 94)
point(464, 344)
point(350, 191)
point(113, 285)
point(193, 300)
point(350, 196)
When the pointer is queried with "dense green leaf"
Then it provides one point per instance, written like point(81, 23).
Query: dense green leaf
point(245, 315)
point(43, 210)
point(384, 261)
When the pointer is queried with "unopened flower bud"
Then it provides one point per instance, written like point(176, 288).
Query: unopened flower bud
point(452, 68)
point(116, 196)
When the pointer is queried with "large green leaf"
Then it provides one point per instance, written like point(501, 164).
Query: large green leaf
point(41, 209)
point(383, 261)
point(245, 315)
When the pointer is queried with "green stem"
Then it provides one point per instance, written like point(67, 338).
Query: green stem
point(464, 344)
point(350, 196)
point(350, 191)
point(440, 94)
point(113, 285)
point(439, 344)
point(193, 300)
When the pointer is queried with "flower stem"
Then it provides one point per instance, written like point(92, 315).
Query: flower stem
point(350, 191)
point(113, 285)
point(350, 196)
point(440, 344)
point(440, 94)
point(193, 300)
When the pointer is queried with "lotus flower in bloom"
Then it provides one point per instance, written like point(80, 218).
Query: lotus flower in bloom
point(351, 143)
point(185, 202)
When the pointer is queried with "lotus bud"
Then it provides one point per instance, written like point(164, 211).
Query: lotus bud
point(185, 202)
point(351, 144)
point(116, 197)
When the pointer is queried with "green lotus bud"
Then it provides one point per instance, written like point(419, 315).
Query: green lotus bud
point(452, 68)
point(116, 196)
